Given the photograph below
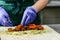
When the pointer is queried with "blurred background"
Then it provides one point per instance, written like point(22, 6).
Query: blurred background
point(51, 14)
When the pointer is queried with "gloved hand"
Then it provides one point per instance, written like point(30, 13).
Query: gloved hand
point(4, 18)
point(28, 16)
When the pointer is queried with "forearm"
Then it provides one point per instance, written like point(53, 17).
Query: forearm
point(39, 5)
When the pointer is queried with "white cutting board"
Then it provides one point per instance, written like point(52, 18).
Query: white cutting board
point(50, 34)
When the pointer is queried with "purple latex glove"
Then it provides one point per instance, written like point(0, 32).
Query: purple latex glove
point(4, 18)
point(28, 16)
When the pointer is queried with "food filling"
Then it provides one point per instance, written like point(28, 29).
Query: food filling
point(24, 28)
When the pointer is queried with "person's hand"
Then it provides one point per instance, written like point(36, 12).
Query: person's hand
point(4, 18)
point(28, 16)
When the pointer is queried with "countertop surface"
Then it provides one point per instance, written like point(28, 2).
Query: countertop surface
point(47, 34)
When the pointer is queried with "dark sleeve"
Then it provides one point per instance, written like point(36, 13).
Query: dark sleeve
point(20, 1)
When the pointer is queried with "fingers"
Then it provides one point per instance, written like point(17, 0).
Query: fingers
point(6, 21)
point(8, 24)
point(28, 20)
point(6, 18)
point(23, 20)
